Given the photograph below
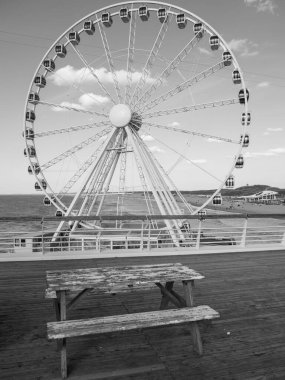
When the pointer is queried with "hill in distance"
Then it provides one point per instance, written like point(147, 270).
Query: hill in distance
point(240, 191)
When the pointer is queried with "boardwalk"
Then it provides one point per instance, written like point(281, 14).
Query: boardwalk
point(248, 342)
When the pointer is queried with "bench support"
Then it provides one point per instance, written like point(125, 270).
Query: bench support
point(197, 342)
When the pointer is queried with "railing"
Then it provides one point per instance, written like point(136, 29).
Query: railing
point(142, 233)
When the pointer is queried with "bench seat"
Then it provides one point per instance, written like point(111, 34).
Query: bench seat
point(72, 328)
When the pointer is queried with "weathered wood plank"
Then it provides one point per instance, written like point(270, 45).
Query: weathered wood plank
point(115, 279)
point(72, 328)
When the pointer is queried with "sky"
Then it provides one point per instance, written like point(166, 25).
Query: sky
point(253, 29)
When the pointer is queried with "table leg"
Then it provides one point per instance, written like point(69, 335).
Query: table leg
point(165, 298)
point(188, 293)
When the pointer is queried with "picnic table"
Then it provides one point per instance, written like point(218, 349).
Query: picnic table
point(123, 279)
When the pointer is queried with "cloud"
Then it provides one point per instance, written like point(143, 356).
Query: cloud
point(68, 75)
point(213, 140)
point(274, 129)
point(156, 149)
point(174, 124)
point(244, 47)
point(85, 102)
point(267, 153)
point(262, 5)
point(204, 51)
point(270, 130)
point(89, 99)
point(147, 138)
point(263, 84)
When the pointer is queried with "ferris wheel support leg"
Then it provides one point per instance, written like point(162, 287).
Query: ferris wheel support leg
point(153, 189)
point(80, 191)
point(165, 192)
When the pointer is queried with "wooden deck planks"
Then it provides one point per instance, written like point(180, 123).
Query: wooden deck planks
point(246, 288)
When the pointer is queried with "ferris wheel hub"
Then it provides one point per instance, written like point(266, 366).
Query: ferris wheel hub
point(120, 115)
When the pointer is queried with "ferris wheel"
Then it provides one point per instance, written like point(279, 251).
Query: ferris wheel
point(131, 105)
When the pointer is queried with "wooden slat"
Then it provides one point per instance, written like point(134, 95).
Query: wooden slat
point(115, 279)
point(72, 328)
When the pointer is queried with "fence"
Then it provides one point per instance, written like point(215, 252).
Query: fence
point(142, 233)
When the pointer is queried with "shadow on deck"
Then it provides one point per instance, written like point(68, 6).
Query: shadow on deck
point(247, 342)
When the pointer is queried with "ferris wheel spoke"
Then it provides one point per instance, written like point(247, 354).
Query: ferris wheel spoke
point(170, 68)
point(70, 108)
point(193, 133)
point(131, 52)
point(183, 86)
point(75, 148)
point(188, 160)
point(72, 129)
point(166, 175)
point(73, 180)
point(92, 72)
point(150, 60)
point(195, 107)
point(100, 177)
point(110, 60)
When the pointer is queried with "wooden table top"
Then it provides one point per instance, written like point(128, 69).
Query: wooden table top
point(114, 279)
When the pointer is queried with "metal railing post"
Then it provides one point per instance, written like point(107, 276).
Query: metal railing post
point(244, 231)
point(148, 240)
point(42, 225)
point(283, 239)
point(141, 244)
point(199, 234)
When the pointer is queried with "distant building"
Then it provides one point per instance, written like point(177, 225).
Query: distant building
point(266, 196)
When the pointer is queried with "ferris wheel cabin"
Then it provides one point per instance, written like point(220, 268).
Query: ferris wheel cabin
point(29, 134)
point(181, 20)
point(74, 38)
point(244, 140)
point(239, 162)
point(198, 29)
point(106, 19)
point(227, 58)
point(236, 77)
point(125, 15)
point(31, 152)
point(35, 167)
point(230, 182)
point(34, 98)
point(245, 119)
point(241, 96)
point(89, 27)
point(217, 200)
point(144, 13)
point(38, 187)
point(214, 42)
point(46, 201)
point(162, 15)
point(49, 64)
point(60, 50)
point(40, 81)
point(30, 116)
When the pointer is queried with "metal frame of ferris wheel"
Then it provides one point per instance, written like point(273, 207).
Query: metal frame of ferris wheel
point(103, 163)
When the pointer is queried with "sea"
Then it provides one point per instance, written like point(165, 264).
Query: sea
point(22, 206)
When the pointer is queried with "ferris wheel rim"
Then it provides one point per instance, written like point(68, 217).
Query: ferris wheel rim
point(197, 18)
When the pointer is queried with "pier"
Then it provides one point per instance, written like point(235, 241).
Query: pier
point(247, 342)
